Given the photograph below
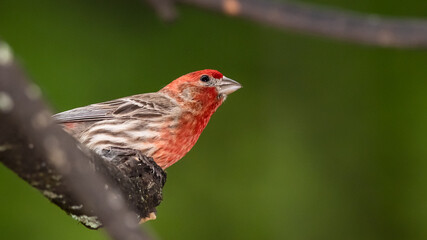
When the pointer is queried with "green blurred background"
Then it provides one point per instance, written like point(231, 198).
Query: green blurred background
point(327, 140)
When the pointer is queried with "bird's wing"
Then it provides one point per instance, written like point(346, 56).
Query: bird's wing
point(138, 106)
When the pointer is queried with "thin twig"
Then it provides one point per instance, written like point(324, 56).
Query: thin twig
point(343, 25)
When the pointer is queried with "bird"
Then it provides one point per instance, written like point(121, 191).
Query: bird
point(163, 125)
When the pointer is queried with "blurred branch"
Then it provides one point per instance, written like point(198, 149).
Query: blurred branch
point(353, 27)
point(164, 8)
point(90, 189)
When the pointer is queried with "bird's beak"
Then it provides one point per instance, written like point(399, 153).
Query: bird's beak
point(227, 86)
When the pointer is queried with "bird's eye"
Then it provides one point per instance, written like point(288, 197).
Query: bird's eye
point(204, 78)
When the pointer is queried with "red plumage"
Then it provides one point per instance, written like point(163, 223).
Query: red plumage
point(164, 125)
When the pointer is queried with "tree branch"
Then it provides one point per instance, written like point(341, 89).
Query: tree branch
point(343, 25)
point(92, 189)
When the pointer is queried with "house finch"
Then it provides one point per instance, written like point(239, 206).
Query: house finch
point(163, 125)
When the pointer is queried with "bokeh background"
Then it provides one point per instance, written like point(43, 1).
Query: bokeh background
point(327, 140)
